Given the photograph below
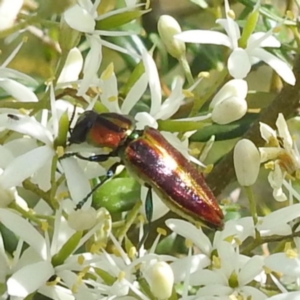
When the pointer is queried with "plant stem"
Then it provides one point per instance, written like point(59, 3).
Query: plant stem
point(252, 206)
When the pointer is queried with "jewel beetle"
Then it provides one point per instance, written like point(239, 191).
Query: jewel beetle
point(153, 162)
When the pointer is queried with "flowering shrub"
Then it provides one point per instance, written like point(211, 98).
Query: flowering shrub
point(70, 228)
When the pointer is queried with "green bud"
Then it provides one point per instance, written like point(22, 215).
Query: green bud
point(62, 130)
point(249, 25)
point(167, 27)
point(68, 37)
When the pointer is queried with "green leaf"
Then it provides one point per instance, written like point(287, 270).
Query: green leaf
point(224, 132)
point(179, 126)
point(266, 12)
point(119, 19)
point(117, 195)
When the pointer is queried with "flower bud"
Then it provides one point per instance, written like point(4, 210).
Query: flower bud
point(229, 110)
point(246, 162)
point(82, 219)
point(160, 278)
point(167, 27)
point(229, 103)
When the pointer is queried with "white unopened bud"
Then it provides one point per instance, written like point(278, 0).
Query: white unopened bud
point(167, 27)
point(229, 103)
point(229, 110)
point(246, 162)
point(82, 219)
point(160, 278)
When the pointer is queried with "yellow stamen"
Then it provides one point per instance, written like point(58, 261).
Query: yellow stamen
point(44, 225)
point(231, 14)
point(216, 262)
point(132, 252)
point(188, 243)
point(187, 93)
point(60, 151)
point(161, 231)
point(112, 98)
point(203, 75)
point(80, 259)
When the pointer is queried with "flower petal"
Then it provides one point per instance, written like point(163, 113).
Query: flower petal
point(279, 66)
point(263, 39)
point(28, 126)
point(72, 67)
point(91, 64)
point(18, 91)
point(154, 82)
point(24, 230)
point(173, 102)
point(145, 119)
point(196, 262)
point(134, 94)
point(204, 37)
point(109, 91)
point(234, 87)
point(283, 132)
point(28, 279)
point(232, 29)
point(77, 183)
point(281, 216)
point(239, 64)
point(252, 268)
point(189, 231)
point(79, 19)
point(9, 10)
point(280, 262)
point(24, 166)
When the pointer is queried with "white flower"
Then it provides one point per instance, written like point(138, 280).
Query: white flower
point(14, 88)
point(124, 266)
point(282, 151)
point(82, 17)
point(229, 103)
point(246, 162)
point(240, 60)
point(9, 10)
point(229, 271)
point(286, 263)
point(31, 270)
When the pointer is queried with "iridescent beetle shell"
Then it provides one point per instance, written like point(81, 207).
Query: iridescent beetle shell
point(150, 159)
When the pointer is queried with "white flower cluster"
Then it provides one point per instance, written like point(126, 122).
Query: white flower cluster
point(50, 248)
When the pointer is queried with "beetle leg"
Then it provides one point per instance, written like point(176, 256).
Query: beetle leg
point(149, 214)
point(110, 173)
point(94, 158)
